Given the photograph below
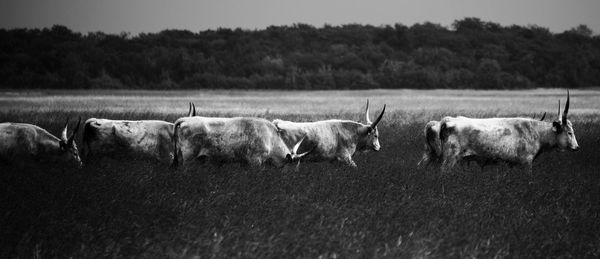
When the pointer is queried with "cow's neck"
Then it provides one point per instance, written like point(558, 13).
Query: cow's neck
point(47, 146)
point(547, 137)
point(358, 139)
point(50, 145)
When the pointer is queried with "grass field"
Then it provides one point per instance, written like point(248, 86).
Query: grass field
point(386, 208)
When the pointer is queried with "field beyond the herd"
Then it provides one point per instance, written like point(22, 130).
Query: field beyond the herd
point(386, 208)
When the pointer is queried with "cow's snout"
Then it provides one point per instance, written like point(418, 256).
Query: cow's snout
point(575, 148)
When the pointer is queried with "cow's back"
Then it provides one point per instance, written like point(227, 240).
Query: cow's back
point(238, 139)
point(508, 139)
point(23, 140)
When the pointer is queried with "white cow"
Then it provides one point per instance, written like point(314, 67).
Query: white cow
point(333, 140)
point(516, 141)
point(253, 141)
point(124, 139)
point(22, 143)
point(433, 146)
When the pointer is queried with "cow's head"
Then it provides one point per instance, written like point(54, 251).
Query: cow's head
point(562, 127)
point(68, 148)
point(368, 134)
point(294, 156)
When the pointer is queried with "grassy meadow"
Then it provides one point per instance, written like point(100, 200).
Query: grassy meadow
point(388, 208)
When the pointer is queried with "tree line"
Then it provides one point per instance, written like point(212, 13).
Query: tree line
point(470, 54)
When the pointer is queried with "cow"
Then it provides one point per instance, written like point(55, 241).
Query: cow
point(517, 141)
point(253, 141)
point(333, 140)
point(433, 146)
point(22, 143)
point(124, 139)
point(144, 139)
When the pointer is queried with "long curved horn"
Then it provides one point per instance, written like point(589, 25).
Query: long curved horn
point(193, 110)
point(374, 124)
point(189, 109)
point(295, 154)
point(295, 149)
point(566, 110)
point(543, 117)
point(70, 141)
point(558, 115)
point(63, 136)
point(367, 119)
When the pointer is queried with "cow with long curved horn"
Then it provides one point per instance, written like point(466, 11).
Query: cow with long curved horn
point(125, 140)
point(252, 141)
point(333, 140)
point(432, 153)
point(520, 142)
point(29, 144)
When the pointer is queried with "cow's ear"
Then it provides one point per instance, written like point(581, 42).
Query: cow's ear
point(371, 130)
point(63, 145)
point(556, 127)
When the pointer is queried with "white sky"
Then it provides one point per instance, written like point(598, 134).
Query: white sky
point(135, 16)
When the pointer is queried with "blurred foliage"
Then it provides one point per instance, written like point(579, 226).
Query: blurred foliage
point(471, 54)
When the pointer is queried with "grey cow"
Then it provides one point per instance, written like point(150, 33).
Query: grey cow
point(333, 140)
point(432, 153)
point(253, 141)
point(124, 139)
point(22, 143)
point(516, 141)
point(145, 139)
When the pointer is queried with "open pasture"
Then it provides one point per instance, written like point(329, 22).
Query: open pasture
point(386, 208)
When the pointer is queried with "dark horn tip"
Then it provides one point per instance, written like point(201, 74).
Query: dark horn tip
point(77, 126)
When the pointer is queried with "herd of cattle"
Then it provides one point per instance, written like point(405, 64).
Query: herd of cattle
point(256, 141)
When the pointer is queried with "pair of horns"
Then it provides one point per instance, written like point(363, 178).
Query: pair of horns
point(69, 140)
point(565, 111)
point(295, 156)
point(192, 110)
point(372, 125)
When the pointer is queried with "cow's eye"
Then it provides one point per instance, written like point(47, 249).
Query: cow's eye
point(570, 133)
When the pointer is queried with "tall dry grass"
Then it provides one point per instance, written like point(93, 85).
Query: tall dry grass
point(386, 208)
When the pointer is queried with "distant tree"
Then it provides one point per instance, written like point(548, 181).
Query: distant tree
point(470, 54)
point(582, 30)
